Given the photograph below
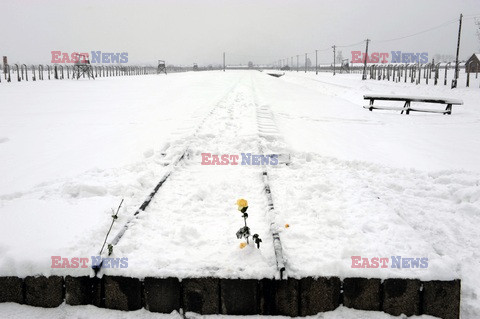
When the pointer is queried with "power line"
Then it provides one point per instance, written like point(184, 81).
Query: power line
point(350, 45)
point(424, 31)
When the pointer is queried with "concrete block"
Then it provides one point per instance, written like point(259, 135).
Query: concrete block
point(362, 293)
point(286, 297)
point(239, 297)
point(267, 297)
point(123, 293)
point(401, 296)
point(11, 289)
point(201, 295)
point(44, 291)
point(319, 295)
point(162, 294)
point(442, 299)
point(98, 296)
point(279, 297)
point(80, 290)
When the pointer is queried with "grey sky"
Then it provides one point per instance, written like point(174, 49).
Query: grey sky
point(183, 32)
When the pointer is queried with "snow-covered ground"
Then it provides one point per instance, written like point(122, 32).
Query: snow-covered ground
point(359, 183)
point(13, 311)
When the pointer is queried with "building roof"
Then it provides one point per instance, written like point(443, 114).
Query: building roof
point(477, 55)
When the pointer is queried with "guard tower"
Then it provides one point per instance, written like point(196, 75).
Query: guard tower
point(83, 67)
point(161, 67)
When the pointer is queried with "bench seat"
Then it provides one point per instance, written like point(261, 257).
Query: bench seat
point(425, 99)
point(408, 99)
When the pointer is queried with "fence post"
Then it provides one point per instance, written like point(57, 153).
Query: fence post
point(446, 68)
point(26, 72)
point(427, 67)
point(18, 73)
point(437, 71)
point(467, 68)
point(33, 73)
point(419, 73)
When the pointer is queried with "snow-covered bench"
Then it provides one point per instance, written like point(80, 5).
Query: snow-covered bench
point(408, 99)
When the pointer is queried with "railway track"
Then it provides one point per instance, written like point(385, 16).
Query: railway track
point(237, 122)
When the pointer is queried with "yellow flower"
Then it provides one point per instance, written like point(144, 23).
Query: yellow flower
point(287, 225)
point(242, 203)
point(243, 245)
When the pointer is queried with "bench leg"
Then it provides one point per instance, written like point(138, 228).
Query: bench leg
point(448, 110)
point(406, 108)
point(371, 104)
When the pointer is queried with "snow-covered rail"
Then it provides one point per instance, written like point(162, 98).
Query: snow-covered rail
point(149, 198)
point(277, 244)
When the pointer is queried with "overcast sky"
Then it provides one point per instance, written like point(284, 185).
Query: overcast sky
point(184, 32)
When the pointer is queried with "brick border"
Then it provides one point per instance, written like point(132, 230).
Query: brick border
point(290, 297)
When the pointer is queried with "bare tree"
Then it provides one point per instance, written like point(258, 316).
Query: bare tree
point(444, 57)
point(339, 57)
point(477, 28)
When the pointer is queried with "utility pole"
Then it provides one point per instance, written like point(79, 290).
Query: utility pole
point(223, 61)
point(454, 81)
point(305, 62)
point(297, 63)
point(333, 60)
point(364, 76)
point(316, 62)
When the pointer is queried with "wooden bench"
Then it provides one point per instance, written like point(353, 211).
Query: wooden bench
point(407, 100)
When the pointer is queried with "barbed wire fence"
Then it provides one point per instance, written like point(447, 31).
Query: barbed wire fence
point(39, 72)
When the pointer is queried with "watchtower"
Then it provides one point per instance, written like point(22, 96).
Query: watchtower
point(82, 67)
point(161, 67)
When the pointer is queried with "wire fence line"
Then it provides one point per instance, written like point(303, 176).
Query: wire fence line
point(39, 72)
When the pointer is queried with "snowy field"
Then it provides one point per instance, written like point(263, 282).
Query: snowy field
point(359, 183)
